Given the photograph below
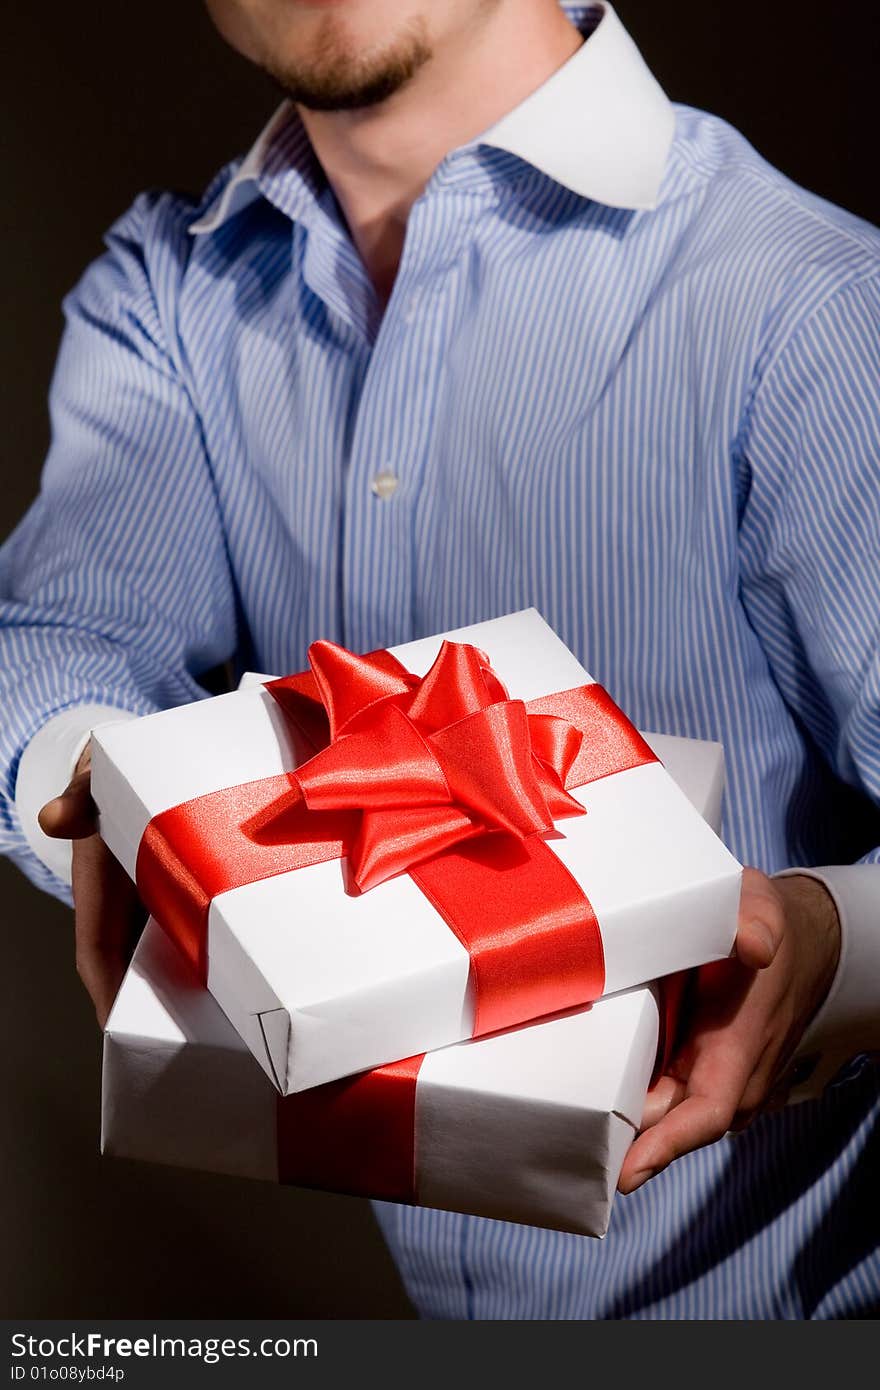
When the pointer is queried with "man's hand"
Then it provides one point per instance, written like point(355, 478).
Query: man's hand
point(748, 1015)
point(109, 915)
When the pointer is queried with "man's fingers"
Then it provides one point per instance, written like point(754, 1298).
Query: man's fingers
point(745, 1026)
point(761, 921)
point(714, 1077)
point(108, 919)
point(73, 814)
point(102, 973)
point(663, 1095)
point(698, 1120)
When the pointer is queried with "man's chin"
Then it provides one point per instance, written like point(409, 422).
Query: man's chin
point(342, 95)
point(342, 82)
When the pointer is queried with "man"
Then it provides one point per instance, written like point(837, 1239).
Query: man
point(482, 321)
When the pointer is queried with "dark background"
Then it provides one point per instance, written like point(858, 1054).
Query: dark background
point(103, 100)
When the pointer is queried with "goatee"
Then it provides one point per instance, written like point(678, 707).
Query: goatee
point(331, 79)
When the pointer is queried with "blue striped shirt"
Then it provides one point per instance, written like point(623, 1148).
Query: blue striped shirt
point(657, 423)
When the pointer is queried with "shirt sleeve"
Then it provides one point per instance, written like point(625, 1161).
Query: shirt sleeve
point(810, 571)
point(116, 591)
point(848, 1021)
point(47, 765)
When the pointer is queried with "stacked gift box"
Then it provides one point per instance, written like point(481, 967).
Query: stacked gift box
point(383, 871)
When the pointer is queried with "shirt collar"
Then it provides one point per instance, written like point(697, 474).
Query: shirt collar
point(601, 126)
point(242, 188)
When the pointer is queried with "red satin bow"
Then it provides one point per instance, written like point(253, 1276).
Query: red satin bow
point(427, 762)
point(444, 777)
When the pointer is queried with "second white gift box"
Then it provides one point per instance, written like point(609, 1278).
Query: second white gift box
point(321, 983)
point(530, 1125)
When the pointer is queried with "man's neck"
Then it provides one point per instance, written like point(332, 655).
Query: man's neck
point(379, 159)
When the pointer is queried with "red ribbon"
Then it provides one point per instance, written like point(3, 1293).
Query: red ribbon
point(444, 777)
point(357, 1135)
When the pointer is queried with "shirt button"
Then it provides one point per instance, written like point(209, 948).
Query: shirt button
point(412, 309)
point(385, 484)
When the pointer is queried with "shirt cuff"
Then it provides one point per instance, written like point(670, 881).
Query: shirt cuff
point(848, 1021)
point(47, 765)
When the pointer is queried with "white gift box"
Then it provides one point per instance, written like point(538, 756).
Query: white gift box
point(530, 1125)
point(320, 984)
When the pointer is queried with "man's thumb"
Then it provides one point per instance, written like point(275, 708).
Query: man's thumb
point(73, 814)
point(761, 921)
